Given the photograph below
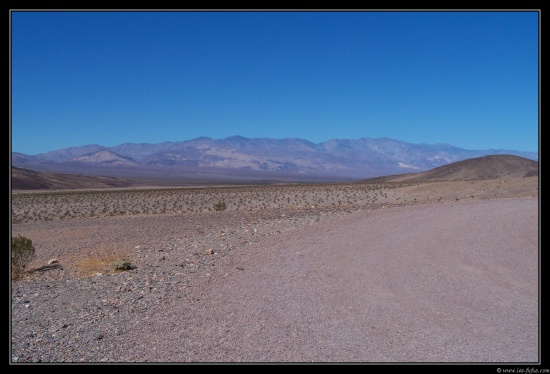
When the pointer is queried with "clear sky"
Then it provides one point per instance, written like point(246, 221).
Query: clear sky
point(469, 79)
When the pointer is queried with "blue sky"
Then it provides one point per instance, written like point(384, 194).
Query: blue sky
point(469, 79)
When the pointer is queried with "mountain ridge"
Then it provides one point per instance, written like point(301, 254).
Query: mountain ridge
point(479, 168)
point(352, 159)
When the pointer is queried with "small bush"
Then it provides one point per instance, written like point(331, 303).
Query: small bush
point(22, 253)
point(220, 206)
point(122, 265)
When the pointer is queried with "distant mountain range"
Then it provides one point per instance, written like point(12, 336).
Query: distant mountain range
point(479, 168)
point(239, 158)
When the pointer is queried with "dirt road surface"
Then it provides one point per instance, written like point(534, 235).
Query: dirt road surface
point(439, 283)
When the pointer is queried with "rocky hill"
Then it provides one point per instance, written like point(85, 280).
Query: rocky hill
point(486, 167)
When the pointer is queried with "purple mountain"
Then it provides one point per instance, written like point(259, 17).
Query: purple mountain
point(237, 157)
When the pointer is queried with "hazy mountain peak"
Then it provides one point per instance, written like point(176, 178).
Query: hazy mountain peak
point(104, 156)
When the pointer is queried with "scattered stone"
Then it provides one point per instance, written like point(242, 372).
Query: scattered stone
point(53, 261)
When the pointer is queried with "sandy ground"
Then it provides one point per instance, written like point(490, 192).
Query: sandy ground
point(447, 282)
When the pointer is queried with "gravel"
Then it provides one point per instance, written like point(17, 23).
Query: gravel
point(447, 282)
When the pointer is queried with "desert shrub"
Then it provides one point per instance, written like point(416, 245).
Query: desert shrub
point(22, 253)
point(122, 265)
point(220, 206)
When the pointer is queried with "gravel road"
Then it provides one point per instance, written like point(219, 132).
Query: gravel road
point(447, 282)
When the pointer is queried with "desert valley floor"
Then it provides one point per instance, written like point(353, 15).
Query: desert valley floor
point(443, 271)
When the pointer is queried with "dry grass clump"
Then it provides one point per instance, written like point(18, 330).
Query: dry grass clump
point(103, 263)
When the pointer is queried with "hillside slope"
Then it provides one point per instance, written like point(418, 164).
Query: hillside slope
point(24, 179)
point(478, 168)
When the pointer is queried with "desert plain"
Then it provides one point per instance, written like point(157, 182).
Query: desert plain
point(385, 270)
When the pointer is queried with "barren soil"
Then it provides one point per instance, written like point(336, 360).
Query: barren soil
point(449, 277)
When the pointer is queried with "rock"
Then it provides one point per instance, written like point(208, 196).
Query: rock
point(53, 261)
point(209, 251)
